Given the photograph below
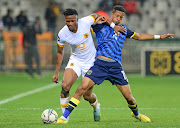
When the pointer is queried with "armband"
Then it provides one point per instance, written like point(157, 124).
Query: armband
point(157, 36)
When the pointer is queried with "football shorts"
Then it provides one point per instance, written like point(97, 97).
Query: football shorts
point(105, 70)
point(79, 67)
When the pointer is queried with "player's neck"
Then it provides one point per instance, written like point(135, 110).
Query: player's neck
point(75, 30)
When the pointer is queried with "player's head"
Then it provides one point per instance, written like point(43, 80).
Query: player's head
point(117, 14)
point(71, 19)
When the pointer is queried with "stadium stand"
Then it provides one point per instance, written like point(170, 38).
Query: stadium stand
point(158, 17)
point(155, 11)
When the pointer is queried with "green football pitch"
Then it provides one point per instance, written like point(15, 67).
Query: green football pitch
point(22, 100)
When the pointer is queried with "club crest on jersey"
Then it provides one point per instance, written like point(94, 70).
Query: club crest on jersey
point(82, 45)
point(71, 64)
point(86, 35)
point(89, 72)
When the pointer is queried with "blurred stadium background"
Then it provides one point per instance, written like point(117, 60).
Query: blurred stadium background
point(157, 17)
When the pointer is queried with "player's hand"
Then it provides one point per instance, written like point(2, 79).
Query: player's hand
point(100, 20)
point(119, 29)
point(55, 78)
point(166, 36)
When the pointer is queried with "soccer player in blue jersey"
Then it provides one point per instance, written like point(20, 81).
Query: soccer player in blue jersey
point(108, 64)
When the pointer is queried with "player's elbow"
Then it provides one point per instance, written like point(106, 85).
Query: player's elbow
point(95, 15)
point(59, 53)
point(139, 37)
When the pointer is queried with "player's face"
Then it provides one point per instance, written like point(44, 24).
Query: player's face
point(72, 22)
point(117, 17)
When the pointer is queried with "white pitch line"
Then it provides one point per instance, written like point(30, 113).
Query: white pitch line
point(27, 93)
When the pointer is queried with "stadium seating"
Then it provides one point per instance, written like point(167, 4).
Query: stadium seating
point(153, 11)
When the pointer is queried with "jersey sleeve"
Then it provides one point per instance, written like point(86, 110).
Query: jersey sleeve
point(97, 27)
point(88, 19)
point(60, 42)
point(130, 33)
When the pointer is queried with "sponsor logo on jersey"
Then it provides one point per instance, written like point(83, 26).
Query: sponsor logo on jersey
point(82, 45)
point(86, 35)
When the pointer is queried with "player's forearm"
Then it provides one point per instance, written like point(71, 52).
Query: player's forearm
point(96, 15)
point(108, 22)
point(143, 36)
point(59, 58)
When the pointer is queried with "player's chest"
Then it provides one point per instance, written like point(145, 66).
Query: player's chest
point(78, 38)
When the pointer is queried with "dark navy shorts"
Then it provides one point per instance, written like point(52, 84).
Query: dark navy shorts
point(104, 70)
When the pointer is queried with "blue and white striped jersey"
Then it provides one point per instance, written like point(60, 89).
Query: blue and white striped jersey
point(110, 44)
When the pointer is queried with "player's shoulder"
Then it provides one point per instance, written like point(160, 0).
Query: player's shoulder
point(63, 32)
point(123, 25)
point(86, 19)
point(64, 29)
point(83, 20)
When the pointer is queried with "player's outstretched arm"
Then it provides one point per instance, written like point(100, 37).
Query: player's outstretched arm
point(143, 36)
point(59, 58)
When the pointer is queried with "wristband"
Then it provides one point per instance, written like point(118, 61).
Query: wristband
point(112, 25)
point(157, 36)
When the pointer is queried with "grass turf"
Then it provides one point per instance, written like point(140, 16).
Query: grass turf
point(157, 97)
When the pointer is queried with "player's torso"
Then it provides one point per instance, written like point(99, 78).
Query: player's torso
point(81, 42)
point(109, 36)
point(111, 44)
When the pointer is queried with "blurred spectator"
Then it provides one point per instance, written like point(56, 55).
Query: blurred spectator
point(118, 2)
point(37, 25)
point(30, 46)
point(141, 2)
point(105, 5)
point(8, 20)
point(1, 28)
point(51, 16)
point(104, 8)
point(1, 25)
point(131, 7)
point(21, 20)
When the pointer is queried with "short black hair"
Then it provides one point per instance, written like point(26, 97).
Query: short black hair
point(70, 11)
point(118, 8)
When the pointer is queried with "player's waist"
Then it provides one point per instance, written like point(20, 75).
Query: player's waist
point(84, 58)
point(104, 58)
